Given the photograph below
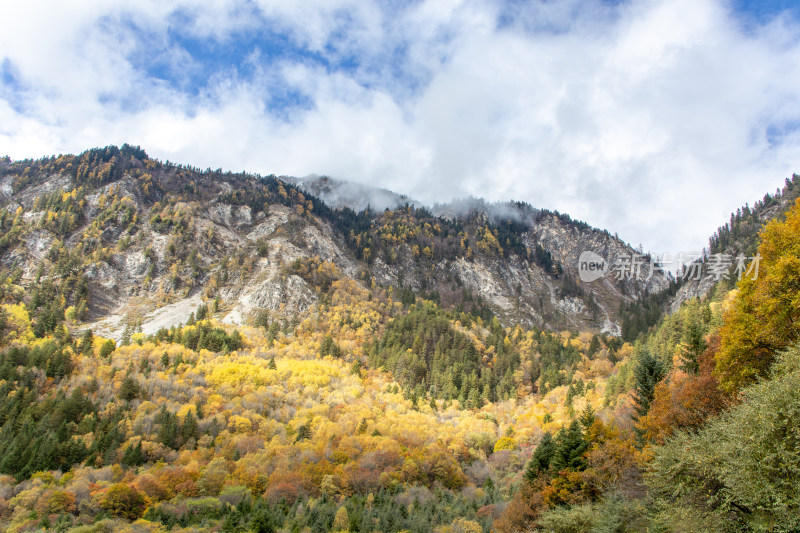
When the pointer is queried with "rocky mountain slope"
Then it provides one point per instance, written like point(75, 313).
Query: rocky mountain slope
point(128, 241)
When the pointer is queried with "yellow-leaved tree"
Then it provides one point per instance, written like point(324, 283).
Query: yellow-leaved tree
point(764, 316)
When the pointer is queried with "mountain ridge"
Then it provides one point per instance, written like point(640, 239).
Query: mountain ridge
point(176, 227)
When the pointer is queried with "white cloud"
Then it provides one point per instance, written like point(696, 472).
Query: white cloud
point(650, 118)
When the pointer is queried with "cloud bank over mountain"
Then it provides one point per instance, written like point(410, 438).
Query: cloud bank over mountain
point(653, 119)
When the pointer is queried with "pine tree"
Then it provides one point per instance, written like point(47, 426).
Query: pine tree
point(169, 428)
point(594, 346)
point(261, 522)
point(693, 338)
point(646, 374)
point(587, 417)
point(129, 389)
point(303, 433)
point(107, 348)
point(274, 329)
point(540, 461)
point(126, 335)
point(133, 455)
point(86, 342)
point(189, 429)
point(570, 445)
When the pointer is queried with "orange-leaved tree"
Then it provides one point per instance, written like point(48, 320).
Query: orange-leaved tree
point(686, 400)
point(764, 316)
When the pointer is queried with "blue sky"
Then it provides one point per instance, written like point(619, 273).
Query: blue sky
point(760, 11)
point(654, 119)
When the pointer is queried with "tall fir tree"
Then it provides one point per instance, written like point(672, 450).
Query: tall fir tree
point(649, 370)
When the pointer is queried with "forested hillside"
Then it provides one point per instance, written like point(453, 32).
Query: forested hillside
point(193, 350)
point(160, 232)
point(713, 444)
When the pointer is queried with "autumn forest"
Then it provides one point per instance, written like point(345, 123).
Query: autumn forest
point(360, 385)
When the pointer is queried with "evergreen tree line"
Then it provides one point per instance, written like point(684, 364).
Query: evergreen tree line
point(429, 357)
point(740, 234)
point(200, 336)
point(640, 315)
point(384, 510)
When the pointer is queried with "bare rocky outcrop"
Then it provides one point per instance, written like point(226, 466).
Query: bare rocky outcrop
point(154, 270)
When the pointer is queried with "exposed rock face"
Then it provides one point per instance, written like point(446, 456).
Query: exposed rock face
point(172, 254)
point(285, 293)
point(38, 244)
point(691, 289)
point(230, 216)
